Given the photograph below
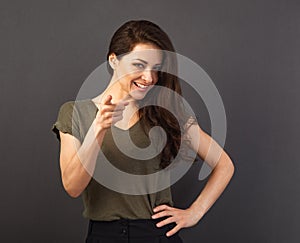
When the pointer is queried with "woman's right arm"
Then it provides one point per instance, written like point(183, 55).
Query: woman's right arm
point(77, 161)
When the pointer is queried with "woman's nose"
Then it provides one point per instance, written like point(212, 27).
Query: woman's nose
point(148, 75)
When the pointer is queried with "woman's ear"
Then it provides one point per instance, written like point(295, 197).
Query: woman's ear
point(113, 60)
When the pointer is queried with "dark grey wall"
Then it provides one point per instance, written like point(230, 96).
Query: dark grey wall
point(250, 49)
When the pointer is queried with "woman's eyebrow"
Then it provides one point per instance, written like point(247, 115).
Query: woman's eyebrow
point(145, 61)
point(141, 60)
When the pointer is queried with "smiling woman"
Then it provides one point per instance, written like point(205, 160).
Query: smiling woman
point(136, 72)
point(85, 129)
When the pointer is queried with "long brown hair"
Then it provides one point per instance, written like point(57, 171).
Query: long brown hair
point(123, 41)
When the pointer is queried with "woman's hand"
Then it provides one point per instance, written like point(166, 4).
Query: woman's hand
point(182, 217)
point(109, 113)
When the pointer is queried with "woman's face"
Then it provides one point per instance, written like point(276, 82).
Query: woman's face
point(137, 71)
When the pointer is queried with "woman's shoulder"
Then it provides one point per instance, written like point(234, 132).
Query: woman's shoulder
point(77, 104)
point(66, 107)
point(190, 121)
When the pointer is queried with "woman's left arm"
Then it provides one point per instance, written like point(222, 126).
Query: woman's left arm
point(222, 171)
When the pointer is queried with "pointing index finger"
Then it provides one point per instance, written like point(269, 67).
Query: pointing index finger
point(107, 100)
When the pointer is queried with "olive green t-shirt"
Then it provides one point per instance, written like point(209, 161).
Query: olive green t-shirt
point(101, 202)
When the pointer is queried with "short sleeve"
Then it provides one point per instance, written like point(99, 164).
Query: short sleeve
point(66, 121)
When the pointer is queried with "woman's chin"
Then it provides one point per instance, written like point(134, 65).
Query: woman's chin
point(137, 95)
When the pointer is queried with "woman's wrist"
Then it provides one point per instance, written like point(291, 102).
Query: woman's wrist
point(99, 132)
point(197, 210)
point(98, 129)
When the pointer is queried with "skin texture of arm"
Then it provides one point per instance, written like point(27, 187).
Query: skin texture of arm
point(77, 161)
point(223, 169)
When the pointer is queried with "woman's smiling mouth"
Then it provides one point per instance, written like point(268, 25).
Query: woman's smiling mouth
point(141, 86)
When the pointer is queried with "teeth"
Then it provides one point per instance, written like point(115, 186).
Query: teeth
point(141, 85)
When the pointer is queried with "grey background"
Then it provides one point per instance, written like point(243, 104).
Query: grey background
point(250, 49)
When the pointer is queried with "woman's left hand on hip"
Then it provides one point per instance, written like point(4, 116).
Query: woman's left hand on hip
point(182, 217)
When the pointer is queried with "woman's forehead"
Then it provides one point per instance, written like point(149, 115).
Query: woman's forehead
point(145, 51)
point(152, 56)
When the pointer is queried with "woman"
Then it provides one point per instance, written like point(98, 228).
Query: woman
point(86, 129)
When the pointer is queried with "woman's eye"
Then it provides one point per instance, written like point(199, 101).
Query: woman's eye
point(139, 65)
point(157, 68)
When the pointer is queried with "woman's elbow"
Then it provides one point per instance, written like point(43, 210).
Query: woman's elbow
point(226, 165)
point(71, 190)
point(230, 168)
point(73, 193)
